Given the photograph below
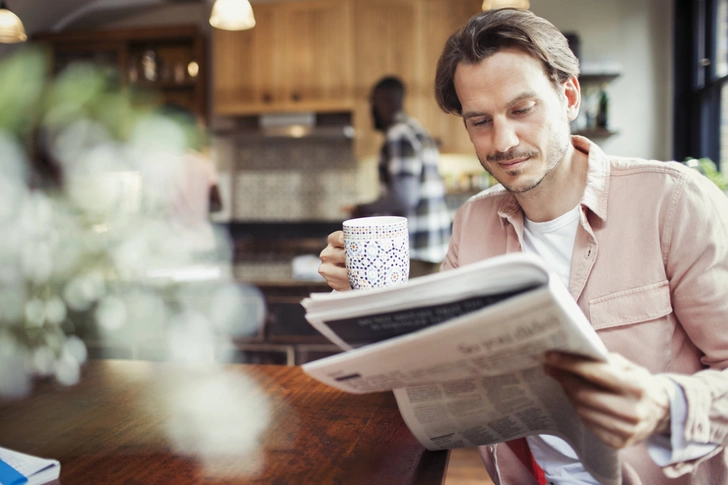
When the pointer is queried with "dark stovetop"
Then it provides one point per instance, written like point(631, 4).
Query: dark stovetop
point(282, 230)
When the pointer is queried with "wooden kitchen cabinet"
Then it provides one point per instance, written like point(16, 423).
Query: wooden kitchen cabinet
point(299, 57)
point(441, 19)
point(121, 52)
point(405, 38)
point(325, 56)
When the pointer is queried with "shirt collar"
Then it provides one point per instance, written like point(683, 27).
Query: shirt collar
point(595, 192)
point(400, 117)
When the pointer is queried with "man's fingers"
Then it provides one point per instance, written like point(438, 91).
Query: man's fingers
point(336, 277)
point(617, 433)
point(334, 256)
point(616, 375)
point(333, 263)
point(583, 393)
point(622, 403)
point(336, 239)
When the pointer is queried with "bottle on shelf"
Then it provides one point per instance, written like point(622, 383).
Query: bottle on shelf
point(603, 111)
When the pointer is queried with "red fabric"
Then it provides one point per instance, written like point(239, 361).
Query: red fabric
point(520, 448)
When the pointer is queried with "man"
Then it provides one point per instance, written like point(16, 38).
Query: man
point(194, 185)
point(410, 181)
point(641, 245)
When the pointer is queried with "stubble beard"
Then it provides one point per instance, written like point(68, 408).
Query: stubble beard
point(555, 154)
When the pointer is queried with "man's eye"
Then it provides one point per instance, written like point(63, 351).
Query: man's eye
point(523, 110)
point(480, 122)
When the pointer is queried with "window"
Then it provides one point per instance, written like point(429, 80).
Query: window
point(701, 80)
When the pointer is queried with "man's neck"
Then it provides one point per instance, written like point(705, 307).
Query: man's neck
point(560, 191)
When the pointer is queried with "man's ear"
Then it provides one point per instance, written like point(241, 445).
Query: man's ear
point(572, 93)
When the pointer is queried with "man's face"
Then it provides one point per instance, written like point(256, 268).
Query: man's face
point(377, 102)
point(517, 121)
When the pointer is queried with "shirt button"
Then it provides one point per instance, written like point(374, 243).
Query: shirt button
point(491, 449)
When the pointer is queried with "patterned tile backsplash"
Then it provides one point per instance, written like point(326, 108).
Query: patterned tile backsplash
point(282, 179)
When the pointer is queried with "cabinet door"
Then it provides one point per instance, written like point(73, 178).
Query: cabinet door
point(319, 55)
point(442, 19)
point(387, 43)
point(298, 57)
point(249, 65)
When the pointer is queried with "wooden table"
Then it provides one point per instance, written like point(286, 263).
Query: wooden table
point(113, 428)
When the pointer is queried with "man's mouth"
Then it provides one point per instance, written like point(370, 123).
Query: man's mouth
point(515, 163)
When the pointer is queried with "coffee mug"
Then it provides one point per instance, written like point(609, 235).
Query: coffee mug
point(377, 251)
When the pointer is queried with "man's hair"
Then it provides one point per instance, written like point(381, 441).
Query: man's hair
point(392, 88)
point(487, 33)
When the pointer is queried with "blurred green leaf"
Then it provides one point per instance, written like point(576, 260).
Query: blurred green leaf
point(707, 167)
point(23, 80)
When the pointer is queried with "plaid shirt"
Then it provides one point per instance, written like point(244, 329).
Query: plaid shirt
point(410, 151)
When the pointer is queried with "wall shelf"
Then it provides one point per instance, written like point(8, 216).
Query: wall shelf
point(598, 77)
point(596, 133)
point(121, 51)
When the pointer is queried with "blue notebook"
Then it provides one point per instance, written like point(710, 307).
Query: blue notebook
point(20, 469)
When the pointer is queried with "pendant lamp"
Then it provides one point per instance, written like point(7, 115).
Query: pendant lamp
point(11, 28)
point(493, 4)
point(232, 15)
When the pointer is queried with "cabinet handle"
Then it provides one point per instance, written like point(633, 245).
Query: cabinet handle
point(267, 98)
point(296, 97)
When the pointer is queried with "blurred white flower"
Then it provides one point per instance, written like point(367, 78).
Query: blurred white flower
point(157, 135)
point(214, 413)
point(14, 380)
point(191, 338)
point(35, 312)
point(79, 254)
point(12, 303)
point(55, 310)
point(237, 310)
point(75, 347)
point(67, 369)
point(43, 361)
point(111, 313)
point(36, 261)
point(82, 291)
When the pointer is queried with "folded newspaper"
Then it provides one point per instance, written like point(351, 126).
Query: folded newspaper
point(463, 352)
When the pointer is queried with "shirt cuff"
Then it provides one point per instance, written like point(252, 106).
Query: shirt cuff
point(668, 450)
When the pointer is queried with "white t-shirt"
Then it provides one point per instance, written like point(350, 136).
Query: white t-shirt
point(554, 242)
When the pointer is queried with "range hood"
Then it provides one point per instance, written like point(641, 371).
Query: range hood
point(305, 125)
point(286, 125)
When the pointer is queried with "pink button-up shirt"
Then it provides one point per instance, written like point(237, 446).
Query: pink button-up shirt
point(650, 272)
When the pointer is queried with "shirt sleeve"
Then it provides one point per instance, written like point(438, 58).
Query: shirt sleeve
point(667, 450)
point(695, 250)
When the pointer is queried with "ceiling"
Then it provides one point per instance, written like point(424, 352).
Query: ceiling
point(56, 15)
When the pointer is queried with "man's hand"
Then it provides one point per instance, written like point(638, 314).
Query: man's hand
point(333, 263)
point(621, 402)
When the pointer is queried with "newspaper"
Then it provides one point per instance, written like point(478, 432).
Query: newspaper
point(463, 352)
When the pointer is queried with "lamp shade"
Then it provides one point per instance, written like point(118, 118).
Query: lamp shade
point(493, 4)
point(232, 15)
point(11, 28)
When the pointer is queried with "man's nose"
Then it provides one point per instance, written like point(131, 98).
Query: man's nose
point(504, 135)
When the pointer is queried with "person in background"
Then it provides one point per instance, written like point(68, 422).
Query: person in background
point(641, 245)
point(196, 186)
point(411, 185)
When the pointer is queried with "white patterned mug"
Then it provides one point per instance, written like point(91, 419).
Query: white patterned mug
point(377, 251)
